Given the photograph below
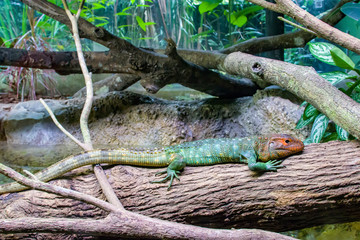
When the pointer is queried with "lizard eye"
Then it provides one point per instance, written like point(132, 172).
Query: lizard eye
point(287, 141)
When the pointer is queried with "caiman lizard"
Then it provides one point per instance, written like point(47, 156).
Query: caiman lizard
point(261, 153)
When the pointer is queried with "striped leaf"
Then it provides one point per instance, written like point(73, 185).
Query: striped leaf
point(321, 51)
point(319, 127)
point(334, 77)
point(342, 133)
point(303, 122)
point(310, 111)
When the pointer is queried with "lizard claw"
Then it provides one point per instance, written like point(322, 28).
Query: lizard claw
point(170, 175)
point(273, 165)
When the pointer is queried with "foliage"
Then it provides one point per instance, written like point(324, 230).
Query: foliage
point(352, 10)
point(322, 128)
point(25, 80)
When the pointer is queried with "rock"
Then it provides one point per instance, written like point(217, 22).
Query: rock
point(125, 118)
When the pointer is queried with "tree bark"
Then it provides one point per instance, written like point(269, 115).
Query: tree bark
point(303, 81)
point(317, 187)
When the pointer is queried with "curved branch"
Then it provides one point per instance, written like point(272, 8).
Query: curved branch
point(317, 187)
point(322, 29)
point(119, 223)
point(288, 40)
point(303, 82)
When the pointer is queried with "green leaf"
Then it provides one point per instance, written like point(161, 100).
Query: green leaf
point(123, 14)
point(342, 133)
point(249, 10)
point(307, 141)
point(330, 137)
point(334, 77)
point(142, 5)
point(127, 8)
point(207, 7)
point(202, 34)
point(310, 111)
point(238, 21)
point(341, 59)
point(123, 26)
point(321, 51)
point(149, 23)
point(96, 6)
point(351, 10)
point(357, 88)
point(303, 122)
point(141, 23)
point(133, 1)
point(304, 103)
point(356, 96)
point(319, 127)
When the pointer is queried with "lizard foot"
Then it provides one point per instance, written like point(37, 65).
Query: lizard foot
point(170, 175)
point(273, 165)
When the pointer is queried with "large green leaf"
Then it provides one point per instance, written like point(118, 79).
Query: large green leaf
point(319, 127)
point(310, 111)
point(238, 21)
point(352, 10)
point(141, 23)
point(341, 59)
point(303, 122)
point(334, 77)
point(208, 6)
point(321, 51)
point(342, 133)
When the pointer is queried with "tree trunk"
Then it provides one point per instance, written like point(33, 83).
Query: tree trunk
point(317, 187)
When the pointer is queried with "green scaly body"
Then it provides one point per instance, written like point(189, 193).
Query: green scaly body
point(197, 153)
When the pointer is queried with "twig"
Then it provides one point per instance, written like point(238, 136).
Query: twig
point(61, 127)
point(297, 25)
point(36, 184)
point(32, 176)
point(87, 76)
point(99, 172)
point(106, 187)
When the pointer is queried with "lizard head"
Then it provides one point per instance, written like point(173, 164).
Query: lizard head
point(277, 146)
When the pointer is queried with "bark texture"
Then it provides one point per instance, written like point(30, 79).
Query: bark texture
point(317, 187)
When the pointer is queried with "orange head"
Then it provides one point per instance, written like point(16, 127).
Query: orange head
point(277, 146)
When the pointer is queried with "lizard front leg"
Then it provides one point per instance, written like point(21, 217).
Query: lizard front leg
point(251, 157)
point(177, 164)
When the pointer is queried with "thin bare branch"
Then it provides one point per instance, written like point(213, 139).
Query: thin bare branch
point(60, 126)
point(87, 76)
point(296, 25)
point(35, 184)
point(106, 187)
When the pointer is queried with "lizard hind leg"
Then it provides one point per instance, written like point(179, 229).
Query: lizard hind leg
point(178, 163)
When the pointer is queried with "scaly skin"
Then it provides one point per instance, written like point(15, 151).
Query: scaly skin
point(260, 153)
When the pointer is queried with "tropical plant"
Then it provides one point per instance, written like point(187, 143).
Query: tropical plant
point(25, 80)
point(348, 82)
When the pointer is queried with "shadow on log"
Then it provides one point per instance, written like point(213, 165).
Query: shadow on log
point(317, 187)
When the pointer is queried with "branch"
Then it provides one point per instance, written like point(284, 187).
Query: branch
point(88, 82)
point(287, 40)
point(303, 82)
point(129, 225)
point(321, 28)
point(83, 146)
point(319, 186)
point(120, 223)
point(155, 70)
point(38, 185)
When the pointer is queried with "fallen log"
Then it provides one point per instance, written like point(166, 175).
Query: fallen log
point(317, 187)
